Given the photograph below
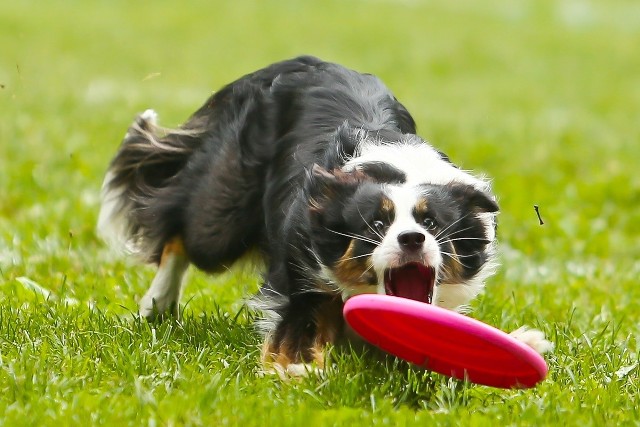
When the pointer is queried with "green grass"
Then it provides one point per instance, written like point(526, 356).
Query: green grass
point(541, 95)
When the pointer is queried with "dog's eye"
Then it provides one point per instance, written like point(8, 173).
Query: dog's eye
point(378, 225)
point(429, 223)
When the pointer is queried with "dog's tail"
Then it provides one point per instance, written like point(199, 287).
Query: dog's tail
point(149, 160)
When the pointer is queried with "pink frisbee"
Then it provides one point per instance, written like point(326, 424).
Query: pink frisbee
point(444, 341)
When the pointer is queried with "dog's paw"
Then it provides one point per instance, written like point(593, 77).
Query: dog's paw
point(157, 309)
point(293, 370)
point(533, 338)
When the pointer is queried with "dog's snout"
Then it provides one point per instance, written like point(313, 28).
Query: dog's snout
point(411, 240)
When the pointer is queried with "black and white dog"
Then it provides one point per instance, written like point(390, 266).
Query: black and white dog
point(318, 168)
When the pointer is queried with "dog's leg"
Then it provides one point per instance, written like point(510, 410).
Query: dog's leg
point(283, 358)
point(533, 338)
point(297, 348)
point(164, 293)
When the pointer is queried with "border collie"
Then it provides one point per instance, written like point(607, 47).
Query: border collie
point(319, 169)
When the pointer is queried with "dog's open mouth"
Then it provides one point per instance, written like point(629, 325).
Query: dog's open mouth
point(413, 281)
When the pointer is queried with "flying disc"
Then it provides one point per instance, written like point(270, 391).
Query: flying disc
point(444, 341)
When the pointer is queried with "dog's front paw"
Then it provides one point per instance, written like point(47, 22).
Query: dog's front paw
point(294, 370)
point(157, 309)
point(533, 338)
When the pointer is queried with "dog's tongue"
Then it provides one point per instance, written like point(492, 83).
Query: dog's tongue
point(412, 281)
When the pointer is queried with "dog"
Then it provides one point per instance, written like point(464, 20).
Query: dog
point(319, 169)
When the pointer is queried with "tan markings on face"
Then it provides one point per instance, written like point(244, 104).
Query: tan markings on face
point(354, 272)
point(452, 268)
point(387, 207)
point(421, 207)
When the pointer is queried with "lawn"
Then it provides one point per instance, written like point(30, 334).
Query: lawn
point(543, 96)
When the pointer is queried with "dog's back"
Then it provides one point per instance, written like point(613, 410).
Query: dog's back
point(212, 181)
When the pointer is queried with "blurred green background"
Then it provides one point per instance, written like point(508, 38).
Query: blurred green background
point(542, 96)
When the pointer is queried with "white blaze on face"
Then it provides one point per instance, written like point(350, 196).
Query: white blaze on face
point(390, 254)
point(420, 162)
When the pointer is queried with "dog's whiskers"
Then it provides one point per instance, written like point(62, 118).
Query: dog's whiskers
point(455, 257)
point(367, 270)
point(438, 234)
point(357, 256)
point(461, 255)
point(448, 237)
point(354, 236)
point(370, 227)
point(468, 238)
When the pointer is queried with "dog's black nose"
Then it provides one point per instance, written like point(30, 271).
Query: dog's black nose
point(411, 240)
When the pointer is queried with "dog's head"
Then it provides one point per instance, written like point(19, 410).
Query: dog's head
point(374, 233)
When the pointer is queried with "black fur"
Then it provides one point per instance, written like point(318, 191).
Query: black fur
point(258, 167)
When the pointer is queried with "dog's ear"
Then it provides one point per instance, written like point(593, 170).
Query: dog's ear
point(323, 186)
point(474, 199)
point(324, 180)
point(321, 174)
